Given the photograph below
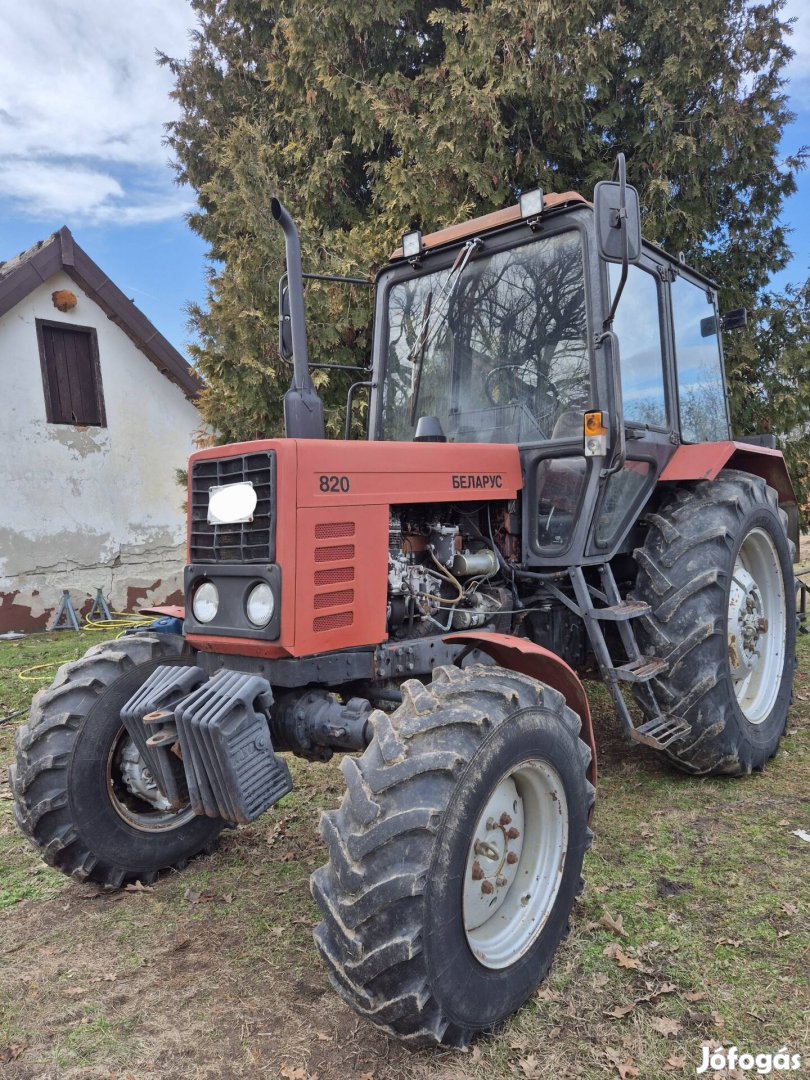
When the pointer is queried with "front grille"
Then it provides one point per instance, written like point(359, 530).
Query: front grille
point(250, 541)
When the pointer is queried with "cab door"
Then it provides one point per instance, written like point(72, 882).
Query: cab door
point(641, 327)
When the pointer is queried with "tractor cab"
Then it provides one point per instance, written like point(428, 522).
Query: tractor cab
point(551, 326)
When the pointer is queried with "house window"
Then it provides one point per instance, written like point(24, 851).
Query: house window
point(71, 375)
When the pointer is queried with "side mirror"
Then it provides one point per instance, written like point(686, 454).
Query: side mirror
point(284, 322)
point(732, 320)
point(617, 218)
point(617, 221)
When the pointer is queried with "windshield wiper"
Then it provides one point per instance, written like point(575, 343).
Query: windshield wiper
point(417, 354)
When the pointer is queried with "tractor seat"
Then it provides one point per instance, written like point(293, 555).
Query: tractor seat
point(569, 425)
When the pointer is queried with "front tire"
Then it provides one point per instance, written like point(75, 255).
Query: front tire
point(76, 773)
point(716, 570)
point(420, 854)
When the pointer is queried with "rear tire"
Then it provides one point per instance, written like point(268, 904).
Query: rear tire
point(64, 800)
point(715, 568)
point(402, 937)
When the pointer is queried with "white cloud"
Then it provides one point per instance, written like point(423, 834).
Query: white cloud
point(798, 71)
point(82, 108)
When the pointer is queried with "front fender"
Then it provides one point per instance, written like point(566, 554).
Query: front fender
point(519, 654)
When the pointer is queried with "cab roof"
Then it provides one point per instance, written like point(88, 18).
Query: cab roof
point(495, 220)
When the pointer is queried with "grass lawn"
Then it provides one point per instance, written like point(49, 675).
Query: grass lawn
point(693, 929)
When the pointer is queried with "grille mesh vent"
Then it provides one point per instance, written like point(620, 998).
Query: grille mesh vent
point(331, 530)
point(333, 622)
point(250, 541)
point(335, 599)
point(334, 553)
point(336, 575)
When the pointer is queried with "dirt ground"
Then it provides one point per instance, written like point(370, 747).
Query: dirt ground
point(693, 929)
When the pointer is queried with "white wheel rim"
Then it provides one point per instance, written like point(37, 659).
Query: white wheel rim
point(757, 621)
point(151, 811)
point(515, 864)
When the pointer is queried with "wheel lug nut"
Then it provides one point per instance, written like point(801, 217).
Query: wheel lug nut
point(505, 819)
point(500, 881)
point(513, 833)
point(477, 872)
point(511, 858)
point(492, 823)
point(487, 887)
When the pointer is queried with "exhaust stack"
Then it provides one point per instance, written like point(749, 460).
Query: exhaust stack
point(303, 408)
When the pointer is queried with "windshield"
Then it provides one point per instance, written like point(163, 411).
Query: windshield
point(504, 359)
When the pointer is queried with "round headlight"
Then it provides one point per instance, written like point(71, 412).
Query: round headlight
point(260, 604)
point(205, 603)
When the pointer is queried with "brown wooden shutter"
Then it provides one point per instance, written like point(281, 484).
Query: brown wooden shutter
point(71, 374)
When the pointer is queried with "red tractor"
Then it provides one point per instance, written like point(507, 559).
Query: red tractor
point(549, 483)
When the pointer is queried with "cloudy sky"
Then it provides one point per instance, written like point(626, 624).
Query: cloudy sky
point(82, 108)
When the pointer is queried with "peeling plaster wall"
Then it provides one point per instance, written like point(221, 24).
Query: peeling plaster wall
point(88, 508)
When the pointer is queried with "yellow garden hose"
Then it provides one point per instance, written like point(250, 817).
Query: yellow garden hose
point(114, 628)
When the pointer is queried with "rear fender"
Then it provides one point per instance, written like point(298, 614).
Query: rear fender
point(703, 461)
point(519, 654)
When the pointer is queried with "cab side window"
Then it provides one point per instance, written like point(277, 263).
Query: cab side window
point(699, 363)
point(638, 328)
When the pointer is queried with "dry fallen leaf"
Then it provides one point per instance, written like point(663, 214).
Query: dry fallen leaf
point(618, 1012)
point(695, 995)
point(616, 926)
point(718, 1020)
point(624, 1064)
point(665, 1026)
point(11, 1052)
point(290, 1073)
point(529, 1066)
point(544, 994)
point(138, 886)
point(676, 1062)
point(625, 961)
point(323, 1036)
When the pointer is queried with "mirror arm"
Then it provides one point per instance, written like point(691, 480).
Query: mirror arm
point(606, 325)
point(350, 402)
point(620, 222)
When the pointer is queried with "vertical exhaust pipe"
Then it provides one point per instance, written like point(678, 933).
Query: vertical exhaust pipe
point(303, 408)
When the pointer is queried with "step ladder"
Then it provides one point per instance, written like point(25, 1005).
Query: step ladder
point(597, 605)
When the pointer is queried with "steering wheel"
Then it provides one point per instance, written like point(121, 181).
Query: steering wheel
point(512, 391)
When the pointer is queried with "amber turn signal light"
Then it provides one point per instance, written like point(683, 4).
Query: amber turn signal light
point(594, 425)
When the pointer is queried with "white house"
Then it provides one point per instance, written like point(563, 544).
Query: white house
point(97, 415)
